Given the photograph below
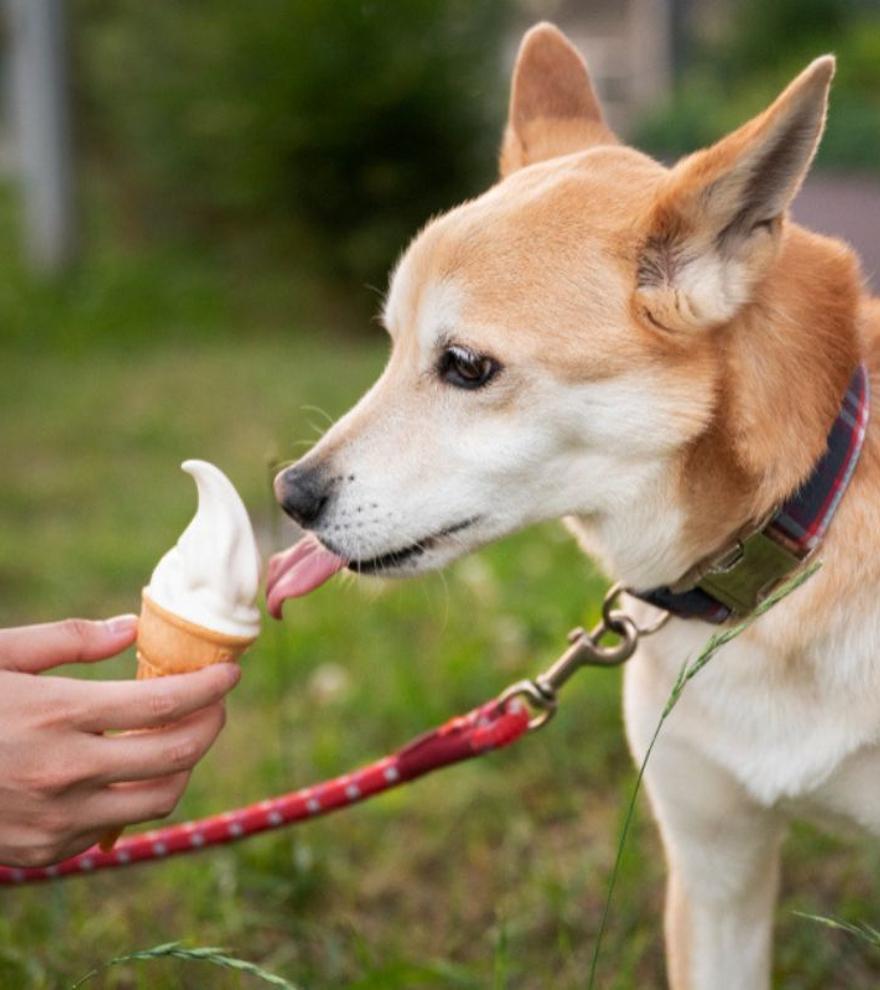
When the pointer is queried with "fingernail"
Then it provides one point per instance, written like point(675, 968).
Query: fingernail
point(121, 624)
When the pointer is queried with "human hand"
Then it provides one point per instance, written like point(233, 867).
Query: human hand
point(63, 783)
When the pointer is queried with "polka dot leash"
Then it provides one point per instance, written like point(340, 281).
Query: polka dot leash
point(492, 726)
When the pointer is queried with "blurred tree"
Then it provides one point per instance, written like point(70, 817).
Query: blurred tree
point(346, 121)
point(760, 31)
point(761, 47)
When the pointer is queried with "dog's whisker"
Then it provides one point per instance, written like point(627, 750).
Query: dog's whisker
point(381, 293)
point(320, 412)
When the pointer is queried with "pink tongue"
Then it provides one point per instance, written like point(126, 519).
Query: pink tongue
point(297, 571)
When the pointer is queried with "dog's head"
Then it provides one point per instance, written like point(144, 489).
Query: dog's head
point(554, 342)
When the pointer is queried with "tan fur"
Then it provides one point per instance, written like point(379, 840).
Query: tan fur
point(804, 314)
point(711, 340)
point(553, 106)
point(677, 928)
point(701, 216)
point(795, 314)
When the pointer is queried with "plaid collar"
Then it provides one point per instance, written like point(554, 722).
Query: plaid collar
point(734, 582)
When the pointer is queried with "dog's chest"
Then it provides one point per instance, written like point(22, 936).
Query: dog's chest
point(782, 720)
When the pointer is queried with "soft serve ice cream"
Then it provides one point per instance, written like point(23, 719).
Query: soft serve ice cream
point(200, 605)
point(211, 576)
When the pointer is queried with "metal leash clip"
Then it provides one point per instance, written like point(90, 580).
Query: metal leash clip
point(586, 650)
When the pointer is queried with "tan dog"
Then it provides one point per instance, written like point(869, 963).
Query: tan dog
point(657, 355)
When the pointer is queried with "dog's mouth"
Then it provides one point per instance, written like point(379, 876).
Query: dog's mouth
point(311, 562)
point(393, 559)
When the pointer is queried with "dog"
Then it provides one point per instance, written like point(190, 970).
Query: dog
point(656, 356)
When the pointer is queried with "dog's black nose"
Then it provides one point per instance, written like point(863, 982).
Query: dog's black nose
point(303, 492)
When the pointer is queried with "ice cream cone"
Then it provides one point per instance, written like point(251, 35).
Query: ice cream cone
point(211, 576)
point(168, 644)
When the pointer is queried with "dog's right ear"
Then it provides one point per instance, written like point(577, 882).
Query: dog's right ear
point(553, 106)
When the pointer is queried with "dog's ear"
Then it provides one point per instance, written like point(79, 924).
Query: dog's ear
point(715, 226)
point(553, 106)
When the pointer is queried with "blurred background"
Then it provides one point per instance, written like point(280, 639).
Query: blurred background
point(199, 204)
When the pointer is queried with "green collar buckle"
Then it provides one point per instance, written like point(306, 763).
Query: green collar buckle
point(746, 573)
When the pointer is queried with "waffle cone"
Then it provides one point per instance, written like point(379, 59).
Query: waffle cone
point(168, 644)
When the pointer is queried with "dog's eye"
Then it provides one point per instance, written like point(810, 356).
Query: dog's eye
point(461, 367)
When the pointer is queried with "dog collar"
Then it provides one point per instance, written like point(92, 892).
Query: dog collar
point(733, 582)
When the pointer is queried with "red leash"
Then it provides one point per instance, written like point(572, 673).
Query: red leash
point(492, 726)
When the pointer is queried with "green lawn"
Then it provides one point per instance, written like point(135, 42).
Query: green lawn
point(488, 875)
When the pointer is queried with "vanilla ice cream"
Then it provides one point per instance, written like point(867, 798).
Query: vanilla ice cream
point(212, 576)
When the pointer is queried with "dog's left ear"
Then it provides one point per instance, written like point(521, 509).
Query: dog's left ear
point(715, 226)
point(553, 106)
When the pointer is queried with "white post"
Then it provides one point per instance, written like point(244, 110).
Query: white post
point(650, 39)
point(42, 131)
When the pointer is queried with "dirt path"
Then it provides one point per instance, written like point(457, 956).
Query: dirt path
point(847, 207)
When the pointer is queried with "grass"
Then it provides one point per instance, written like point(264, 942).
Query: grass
point(489, 875)
point(211, 955)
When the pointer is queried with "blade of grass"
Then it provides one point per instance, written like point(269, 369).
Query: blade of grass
point(862, 930)
point(686, 674)
point(207, 954)
point(501, 955)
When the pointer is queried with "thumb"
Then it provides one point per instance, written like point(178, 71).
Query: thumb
point(30, 649)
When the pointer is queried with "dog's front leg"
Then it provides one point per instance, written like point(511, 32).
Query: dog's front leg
point(722, 851)
point(721, 891)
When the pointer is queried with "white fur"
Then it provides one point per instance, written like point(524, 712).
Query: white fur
point(713, 287)
point(428, 459)
point(438, 313)
point(749, 745)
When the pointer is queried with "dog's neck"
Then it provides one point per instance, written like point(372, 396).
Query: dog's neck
point(783, 366)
